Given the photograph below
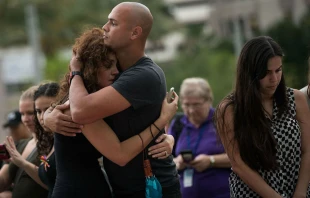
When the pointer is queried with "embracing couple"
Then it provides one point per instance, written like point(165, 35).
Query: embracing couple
point(118, 114)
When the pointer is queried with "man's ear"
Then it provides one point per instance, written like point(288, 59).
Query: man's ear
point(136, 33)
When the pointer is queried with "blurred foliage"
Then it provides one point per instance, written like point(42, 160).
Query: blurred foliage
point(210, 58)
point(60, 21)
point(217, 66)
point(294, 40)
point(56, 68)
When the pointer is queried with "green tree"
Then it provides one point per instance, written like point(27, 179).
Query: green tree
point(294, 39)
point(202, 58)
point(60, 21)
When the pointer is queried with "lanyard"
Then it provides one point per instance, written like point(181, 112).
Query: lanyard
point(202, 129)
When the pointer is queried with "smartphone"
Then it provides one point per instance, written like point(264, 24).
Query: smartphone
point(4, 154)
point(187, 155)
point(170, 97)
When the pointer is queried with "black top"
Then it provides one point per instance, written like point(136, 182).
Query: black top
point(25, 186)
point(79, 174)
point(48, 176)
point(144, 86)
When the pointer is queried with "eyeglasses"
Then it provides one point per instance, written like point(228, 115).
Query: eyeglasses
point(193, 105)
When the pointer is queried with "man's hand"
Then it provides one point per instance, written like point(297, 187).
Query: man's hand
point(164, 147)
point(59, 122)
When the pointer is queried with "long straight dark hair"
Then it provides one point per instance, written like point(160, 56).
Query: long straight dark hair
point(252, 130)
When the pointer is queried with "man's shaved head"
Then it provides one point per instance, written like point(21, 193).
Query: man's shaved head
point(138, 15)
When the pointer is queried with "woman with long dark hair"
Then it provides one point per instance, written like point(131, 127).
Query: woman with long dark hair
point(264, 127)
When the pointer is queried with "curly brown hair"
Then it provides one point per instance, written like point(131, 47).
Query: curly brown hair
point(93, 54)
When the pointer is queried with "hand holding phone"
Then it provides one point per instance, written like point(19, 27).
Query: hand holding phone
point(170, 97)
point(187, 155)
point(4, 154)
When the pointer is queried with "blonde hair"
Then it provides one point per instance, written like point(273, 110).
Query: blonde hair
point(28, 93)
point(196, 87)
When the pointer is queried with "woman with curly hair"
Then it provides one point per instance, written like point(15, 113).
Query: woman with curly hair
point(78, 171)
point(45, 174)
point(264, 127)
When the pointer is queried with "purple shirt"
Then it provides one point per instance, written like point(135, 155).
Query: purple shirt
point(213, 182)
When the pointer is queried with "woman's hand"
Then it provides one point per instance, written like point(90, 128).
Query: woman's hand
point(16, 157)
point(201, 162)
point(168, 110)
point(164, 147)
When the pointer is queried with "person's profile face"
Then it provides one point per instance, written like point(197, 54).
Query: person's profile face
point(42, 103)
point(107, 76)
point(270, 82)
point(27, 112)
point(116, 30)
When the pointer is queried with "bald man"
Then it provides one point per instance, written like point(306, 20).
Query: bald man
point(130, 104)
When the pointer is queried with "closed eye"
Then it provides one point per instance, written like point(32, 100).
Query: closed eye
point(280, 69)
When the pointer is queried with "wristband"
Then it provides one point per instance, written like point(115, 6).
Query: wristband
point(74, 73)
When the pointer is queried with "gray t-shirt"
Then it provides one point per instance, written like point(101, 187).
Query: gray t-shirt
point(144, 86)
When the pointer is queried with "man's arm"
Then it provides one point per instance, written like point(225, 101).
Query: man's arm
point(57, 121)
point(87, 108)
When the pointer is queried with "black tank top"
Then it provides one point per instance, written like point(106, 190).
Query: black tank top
point(48, 176)
point(79, 174)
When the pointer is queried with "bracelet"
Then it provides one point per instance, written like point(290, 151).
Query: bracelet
point(151, 131)
point(141, 140)
point(156, 126)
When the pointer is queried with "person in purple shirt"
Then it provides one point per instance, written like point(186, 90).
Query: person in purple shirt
point(200, 158)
